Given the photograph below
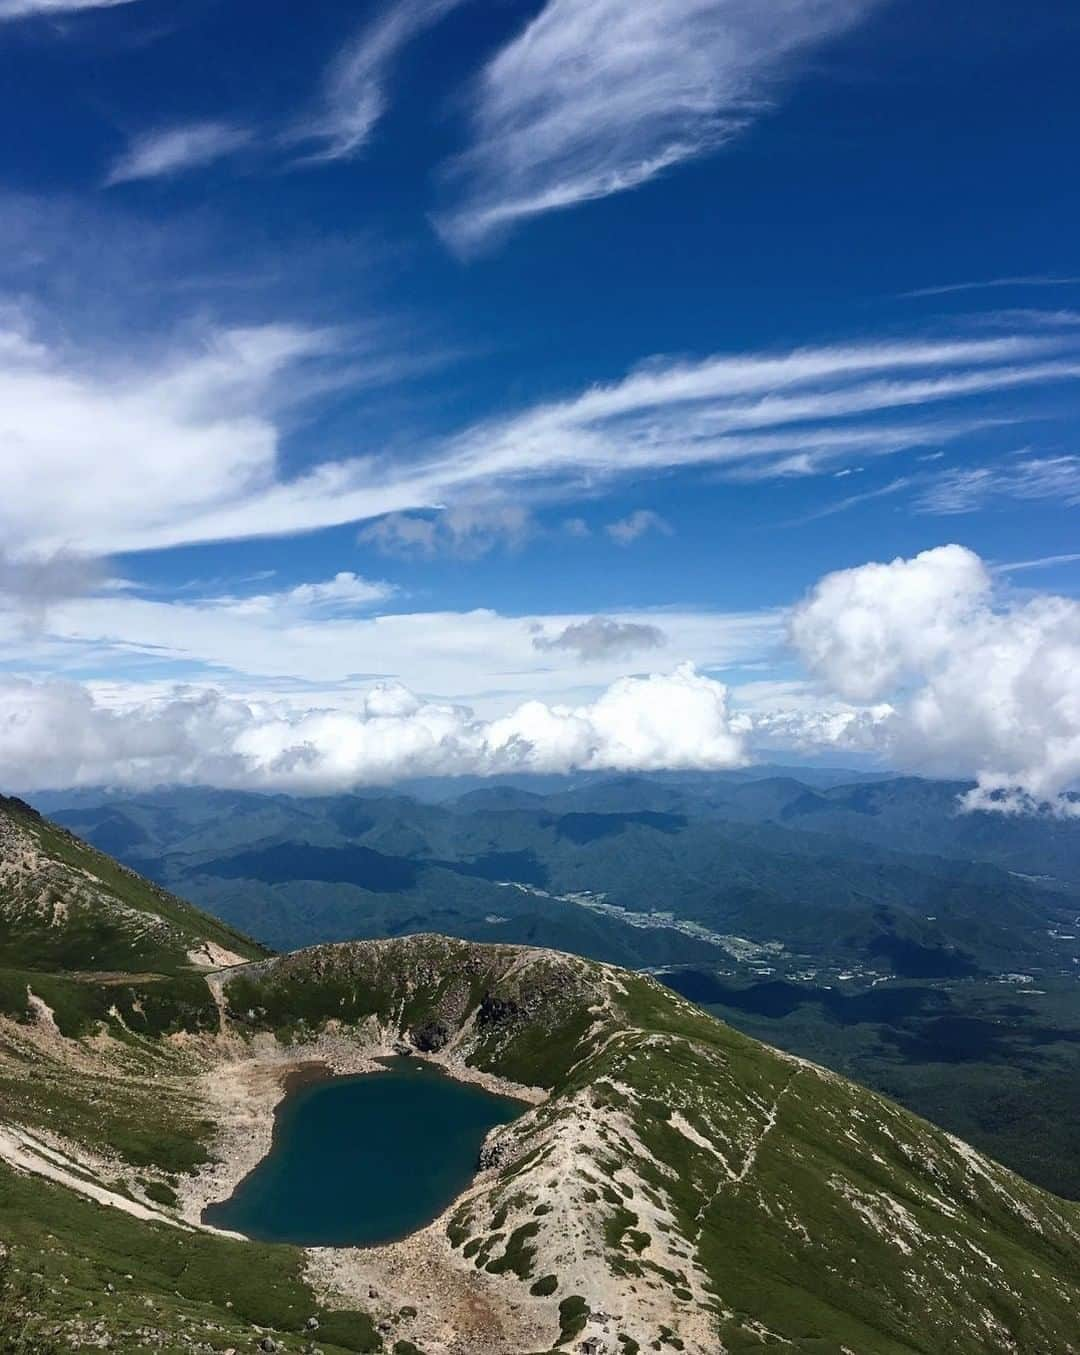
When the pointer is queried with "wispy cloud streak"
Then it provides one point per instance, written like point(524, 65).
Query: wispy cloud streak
point(1036, 280)
point(177, 150)
point(25, 9)
point(1045, 562)
point(596, 97)
point(188, 449)
point(1029, 478)
point(354, 96)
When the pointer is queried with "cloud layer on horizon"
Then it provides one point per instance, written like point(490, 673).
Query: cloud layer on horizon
point(922, 662)
point(56, 734)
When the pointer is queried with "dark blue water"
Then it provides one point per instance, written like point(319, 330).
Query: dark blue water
point(363, 1160)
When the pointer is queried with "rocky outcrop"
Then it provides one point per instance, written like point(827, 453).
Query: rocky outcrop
point(431, 1037)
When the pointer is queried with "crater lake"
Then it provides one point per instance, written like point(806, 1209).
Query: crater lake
point(358, 1161)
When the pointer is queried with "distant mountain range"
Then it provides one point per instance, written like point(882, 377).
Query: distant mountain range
point(889, 875)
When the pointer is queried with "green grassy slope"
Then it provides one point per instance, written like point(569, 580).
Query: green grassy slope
point(96, 1273)
point(67, 906)
point(108, 954)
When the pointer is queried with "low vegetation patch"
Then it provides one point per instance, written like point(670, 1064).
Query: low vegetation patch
point(573, 1316)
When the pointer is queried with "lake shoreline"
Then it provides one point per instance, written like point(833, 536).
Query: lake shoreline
point(352, 1163)
point(247, 1081)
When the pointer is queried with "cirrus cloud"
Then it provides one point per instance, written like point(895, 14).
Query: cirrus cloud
point(176, 150)
point(187, 446)
point(596, 97)
point(25, 9)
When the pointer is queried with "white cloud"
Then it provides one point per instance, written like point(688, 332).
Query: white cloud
point(866, 629)
point(819, 725)
point(177, 150)
point(23, 9)
point(595, 97)
point(629, 529)
point(467, 530)
point(57, 734)
point(185, 449)
point(793, 413)
point(844, 505)
point(108, 457)
point(920, 661)
point(1028, 477)
point(295, 642)
point(354, 97)
point(1030, 280)
point(1044, 562)
point(601, 637)
point(977, 685)
point(344, 593)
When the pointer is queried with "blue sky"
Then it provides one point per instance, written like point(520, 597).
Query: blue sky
point(511, 351)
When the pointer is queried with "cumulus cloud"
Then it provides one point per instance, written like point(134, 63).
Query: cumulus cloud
point(601, 637)
point(627, 530)
point(354, 97)
point(177, 150)
point(863, 630)
point(812, 727)
point(923, 661)
point(58, 734)
point(595, 97)
point(975, 684)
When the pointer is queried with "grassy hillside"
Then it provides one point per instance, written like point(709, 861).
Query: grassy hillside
point(997, 1064)
point(96, 942)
